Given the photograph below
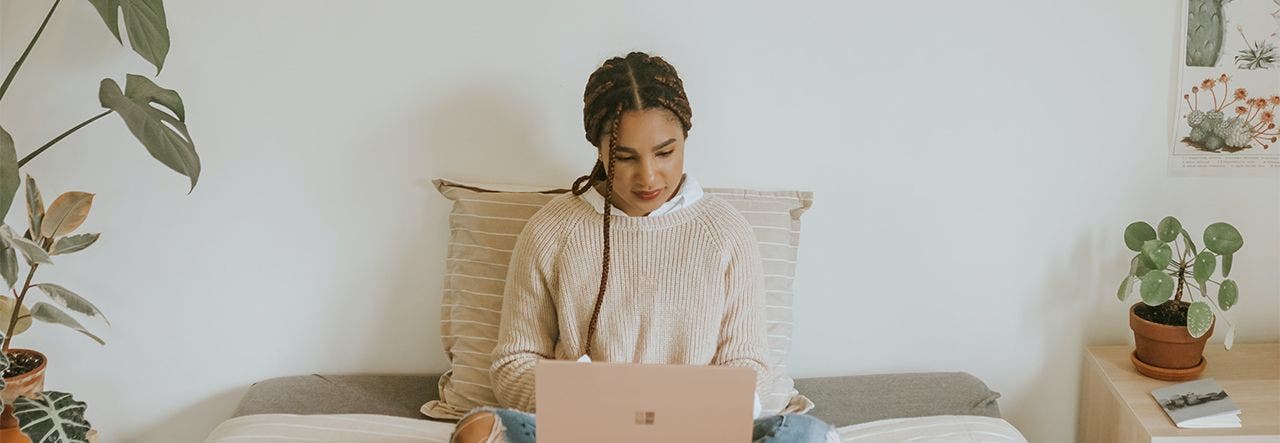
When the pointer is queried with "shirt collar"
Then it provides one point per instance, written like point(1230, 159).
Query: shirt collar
point(689, 193)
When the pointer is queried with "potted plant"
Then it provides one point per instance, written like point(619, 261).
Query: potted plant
point(1170, 324)
point(156, 117)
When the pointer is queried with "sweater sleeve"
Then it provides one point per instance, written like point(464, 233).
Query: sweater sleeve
point(527, 331)
point(742, 330)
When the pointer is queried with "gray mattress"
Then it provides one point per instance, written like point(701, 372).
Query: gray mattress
point(840, 401)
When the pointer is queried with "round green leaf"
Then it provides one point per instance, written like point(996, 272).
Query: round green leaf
point(1168, 229)
point(1222, 238)
point(1228, 294)
point(1138, 266)
point(1226, 264)
point(1156, 288)
point(1199, 319)
point(1157, 253)
point(1203, 266)
point(1126, 287)
point(1186, 238)
point(1137, 233)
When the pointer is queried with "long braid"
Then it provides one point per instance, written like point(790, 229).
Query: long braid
point(622, 84)
point(608, 210)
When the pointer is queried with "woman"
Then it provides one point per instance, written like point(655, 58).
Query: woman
point(686, 286)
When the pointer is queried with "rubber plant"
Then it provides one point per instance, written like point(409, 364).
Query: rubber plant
point(157, 119)
point(1163, 271)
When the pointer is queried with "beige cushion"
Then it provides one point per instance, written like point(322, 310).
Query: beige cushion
point(483, 226)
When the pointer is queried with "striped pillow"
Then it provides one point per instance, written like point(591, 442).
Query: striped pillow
point(483, 226)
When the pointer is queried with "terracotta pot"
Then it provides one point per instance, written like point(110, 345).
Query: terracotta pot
point(26, 384)
point(1166, 352)
point(9, 431)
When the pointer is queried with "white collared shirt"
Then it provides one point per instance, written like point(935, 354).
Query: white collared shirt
point(689, 193)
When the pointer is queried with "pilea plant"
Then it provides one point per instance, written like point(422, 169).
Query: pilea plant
point(157, 118)
point(1164, 270)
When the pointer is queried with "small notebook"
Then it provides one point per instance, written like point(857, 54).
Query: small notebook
point(1198, 404)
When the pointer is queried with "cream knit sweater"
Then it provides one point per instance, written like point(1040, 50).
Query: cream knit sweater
point(684, 288)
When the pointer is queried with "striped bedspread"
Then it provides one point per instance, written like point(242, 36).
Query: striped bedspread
point(282, 428)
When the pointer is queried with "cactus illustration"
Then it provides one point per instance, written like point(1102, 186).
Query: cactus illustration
point(1196, 118)
point(1204, 32)
point(1233, 120)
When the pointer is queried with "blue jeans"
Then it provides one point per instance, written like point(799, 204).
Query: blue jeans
point(789, 428)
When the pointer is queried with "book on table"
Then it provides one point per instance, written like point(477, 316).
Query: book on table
point(1198, 404)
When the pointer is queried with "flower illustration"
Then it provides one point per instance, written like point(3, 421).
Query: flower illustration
point(1249, 123)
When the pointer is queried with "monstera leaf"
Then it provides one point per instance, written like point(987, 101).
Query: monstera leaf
point(54, 417)
point(8, 173)
point(164, 134)
point(4, 362)
point(144, 19)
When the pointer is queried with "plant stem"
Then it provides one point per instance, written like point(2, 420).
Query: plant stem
point(1182, 279)
point(17, 307)
point(14, 70)
point(33, 154)
point(17, 302)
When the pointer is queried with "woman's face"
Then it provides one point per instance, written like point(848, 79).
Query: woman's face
point(650, 160)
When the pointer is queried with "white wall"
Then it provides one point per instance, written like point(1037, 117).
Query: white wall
point(974, 166)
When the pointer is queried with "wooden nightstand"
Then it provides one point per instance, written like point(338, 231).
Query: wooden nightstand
point(1116, 403)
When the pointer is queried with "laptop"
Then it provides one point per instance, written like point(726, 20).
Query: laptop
point(626, 402)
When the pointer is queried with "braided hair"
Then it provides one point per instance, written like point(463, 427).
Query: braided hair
point(636, 82)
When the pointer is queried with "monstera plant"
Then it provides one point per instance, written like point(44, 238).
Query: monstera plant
point(1172, 323)
point(157, 118)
